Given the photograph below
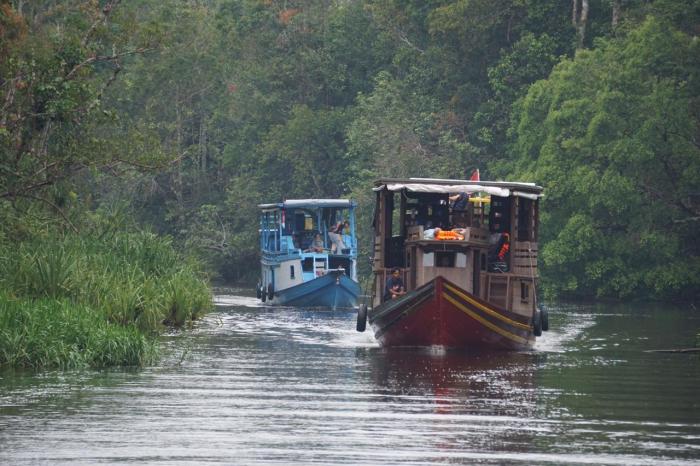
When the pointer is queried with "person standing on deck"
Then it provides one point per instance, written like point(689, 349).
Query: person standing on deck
point(335, 233)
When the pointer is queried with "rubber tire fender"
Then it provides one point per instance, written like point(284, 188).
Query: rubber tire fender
point(537, 323)
point(270, 291)
point(362, 318)
point(263, 294)
point(258, 290)
point(545, 320)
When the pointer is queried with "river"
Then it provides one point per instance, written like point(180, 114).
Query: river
point(255, 385)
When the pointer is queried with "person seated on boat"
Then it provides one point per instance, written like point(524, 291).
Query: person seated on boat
point(394, 285)
point(316, 245)
point(335, 233)
point(498, 253)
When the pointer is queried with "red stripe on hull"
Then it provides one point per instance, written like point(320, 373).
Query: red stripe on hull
point(448, 319)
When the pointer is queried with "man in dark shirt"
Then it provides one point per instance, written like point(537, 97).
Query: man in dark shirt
point(394, 285)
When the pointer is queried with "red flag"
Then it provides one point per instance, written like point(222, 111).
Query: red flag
point(475, 175)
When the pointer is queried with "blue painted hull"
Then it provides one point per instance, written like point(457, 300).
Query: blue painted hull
point(334, 290)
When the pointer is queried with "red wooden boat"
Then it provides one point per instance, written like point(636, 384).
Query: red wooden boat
point(469, 270)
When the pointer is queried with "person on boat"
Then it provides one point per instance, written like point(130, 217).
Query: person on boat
point(459, 201)
point(335, 233)
point(498, 253)
point(316, 245)
point(394, 285)
point(505, 247)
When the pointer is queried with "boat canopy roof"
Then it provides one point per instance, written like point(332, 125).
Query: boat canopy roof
point(309, 203)
point(437, 185)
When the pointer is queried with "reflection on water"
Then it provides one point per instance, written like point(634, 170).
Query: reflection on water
point(260, 385)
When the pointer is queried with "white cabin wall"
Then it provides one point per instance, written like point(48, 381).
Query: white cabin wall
point(282, 275)
point(461, 274)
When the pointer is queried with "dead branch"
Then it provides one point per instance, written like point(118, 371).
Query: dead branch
point(105, 58)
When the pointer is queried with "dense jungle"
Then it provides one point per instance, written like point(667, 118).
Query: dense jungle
point(137, 138)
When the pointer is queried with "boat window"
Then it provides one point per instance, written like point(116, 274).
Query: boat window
point(291, 271)
point(299, 221)
point(499, 214)
point(339, 263)
point(332, 215)
point(303, 220)
point(427, 209)
point(307, 265)
point(444, 259)
point(396, 217)
point(269, 234)
point(524, 292)
point(525, 219)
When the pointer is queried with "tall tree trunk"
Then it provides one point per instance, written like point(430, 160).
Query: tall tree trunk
point(583, 22)
point(616, 12)
point(579, 17)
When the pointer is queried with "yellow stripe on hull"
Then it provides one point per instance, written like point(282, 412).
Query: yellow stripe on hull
point(484, 322)
point(487, 310)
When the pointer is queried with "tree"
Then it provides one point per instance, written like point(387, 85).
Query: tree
point(57, 65)
point(612, 135)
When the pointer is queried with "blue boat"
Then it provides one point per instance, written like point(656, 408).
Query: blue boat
point(309, 253)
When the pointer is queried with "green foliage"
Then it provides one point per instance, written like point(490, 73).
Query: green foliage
point(399, 133)
point(56, 65)
point(610, 134)
point(309, 148)
point(210, 108)
point(94, 299)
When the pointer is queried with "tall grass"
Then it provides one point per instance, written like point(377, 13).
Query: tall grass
point(95, 300)
point(57, 333)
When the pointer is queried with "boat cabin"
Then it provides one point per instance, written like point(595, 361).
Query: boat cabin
point(479, 235)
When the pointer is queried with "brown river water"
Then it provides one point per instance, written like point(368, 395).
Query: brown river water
point(255, 385)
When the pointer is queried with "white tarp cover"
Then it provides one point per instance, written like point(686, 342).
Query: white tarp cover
point(309, 203)
point(445, 188)
point(532, 196)
point(455, 188)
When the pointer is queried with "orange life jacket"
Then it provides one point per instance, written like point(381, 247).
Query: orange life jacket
point(448, 235)
point(504, 250)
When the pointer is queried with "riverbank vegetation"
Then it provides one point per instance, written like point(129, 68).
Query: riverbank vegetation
point(189, 114)
point(97, 298)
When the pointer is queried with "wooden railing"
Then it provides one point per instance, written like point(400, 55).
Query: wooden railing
point(524, 258)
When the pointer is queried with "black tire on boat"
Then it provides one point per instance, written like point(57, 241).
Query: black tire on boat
point(263, 294)
point(545, 320)
point(537, 323)
point(258, 290)
point(362, 318)
point(270, 291)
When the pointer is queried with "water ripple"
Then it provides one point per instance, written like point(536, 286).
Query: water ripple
point(258, 385)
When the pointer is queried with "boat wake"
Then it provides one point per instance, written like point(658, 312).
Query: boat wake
point(566, 325)
point(233, 300)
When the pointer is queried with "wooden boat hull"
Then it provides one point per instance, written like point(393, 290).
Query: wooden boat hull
point(334, 290)
point(442, 314)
